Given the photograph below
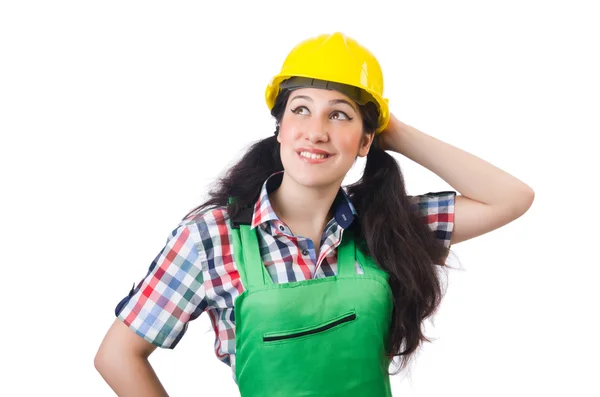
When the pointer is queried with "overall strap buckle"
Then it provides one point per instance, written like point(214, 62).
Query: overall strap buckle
point(244, 217)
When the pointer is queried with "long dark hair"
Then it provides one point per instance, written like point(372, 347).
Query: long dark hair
point(391, 231)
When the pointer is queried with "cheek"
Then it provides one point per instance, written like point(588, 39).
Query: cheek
point(348, 142)
point(288, 131)
point(286, 141)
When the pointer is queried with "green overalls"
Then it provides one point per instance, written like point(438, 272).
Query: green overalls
point(321, 337)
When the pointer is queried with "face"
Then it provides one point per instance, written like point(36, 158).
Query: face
point(321, 134)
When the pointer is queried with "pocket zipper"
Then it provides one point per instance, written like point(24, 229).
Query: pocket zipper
point(345, 319)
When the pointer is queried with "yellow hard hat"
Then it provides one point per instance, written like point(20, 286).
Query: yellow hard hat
point(334, 58)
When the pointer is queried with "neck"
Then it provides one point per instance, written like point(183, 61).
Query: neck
point(308, 209)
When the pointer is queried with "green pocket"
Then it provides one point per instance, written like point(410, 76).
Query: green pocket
point(314, 329)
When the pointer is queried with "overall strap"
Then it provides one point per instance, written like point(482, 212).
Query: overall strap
point(346, 255)
point(256, 273)
point(246, 250)
point(367, 263)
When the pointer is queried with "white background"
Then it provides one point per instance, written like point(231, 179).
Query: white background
point(115, 117)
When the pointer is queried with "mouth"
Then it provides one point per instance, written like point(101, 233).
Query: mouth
point(313, 158)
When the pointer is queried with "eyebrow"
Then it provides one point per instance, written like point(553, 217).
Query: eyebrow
point(332, 102)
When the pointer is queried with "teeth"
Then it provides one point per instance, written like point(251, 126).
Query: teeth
point(312, 155)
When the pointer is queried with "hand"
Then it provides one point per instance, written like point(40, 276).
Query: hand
point(387, 136)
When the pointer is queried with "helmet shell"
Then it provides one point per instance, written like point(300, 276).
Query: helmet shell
point(337, 58)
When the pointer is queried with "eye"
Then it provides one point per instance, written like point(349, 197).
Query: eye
point(299, 110)
point(339, 115)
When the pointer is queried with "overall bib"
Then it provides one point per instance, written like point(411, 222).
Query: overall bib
point(320, 337)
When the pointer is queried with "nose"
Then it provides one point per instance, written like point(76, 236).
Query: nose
point(316, 130)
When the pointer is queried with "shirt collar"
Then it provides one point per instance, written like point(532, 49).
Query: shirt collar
point(344, 211)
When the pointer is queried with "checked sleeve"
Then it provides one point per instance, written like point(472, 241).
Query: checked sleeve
point(436, 209)
point(171, 294)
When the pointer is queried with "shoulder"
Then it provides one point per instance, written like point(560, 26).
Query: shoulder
point(436, 198)
point(212, 216)
point(208, 226)
point(433, 203)
point(436, 209)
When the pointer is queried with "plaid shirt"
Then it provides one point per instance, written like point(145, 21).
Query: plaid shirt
point(196, 271)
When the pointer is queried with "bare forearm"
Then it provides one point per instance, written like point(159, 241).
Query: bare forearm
point(131, 377)
point(470, 175)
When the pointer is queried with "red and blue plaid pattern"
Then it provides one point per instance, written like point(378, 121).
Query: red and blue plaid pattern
point(196, 271)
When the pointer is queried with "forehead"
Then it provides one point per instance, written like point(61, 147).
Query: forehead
point(319, 94)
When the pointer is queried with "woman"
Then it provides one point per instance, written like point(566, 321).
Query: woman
point(313, 290)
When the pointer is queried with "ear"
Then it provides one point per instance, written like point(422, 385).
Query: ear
point(365, 145)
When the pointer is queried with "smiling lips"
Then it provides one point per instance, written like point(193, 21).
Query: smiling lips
point(313, 156)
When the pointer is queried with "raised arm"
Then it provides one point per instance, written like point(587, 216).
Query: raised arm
point(490, 197)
